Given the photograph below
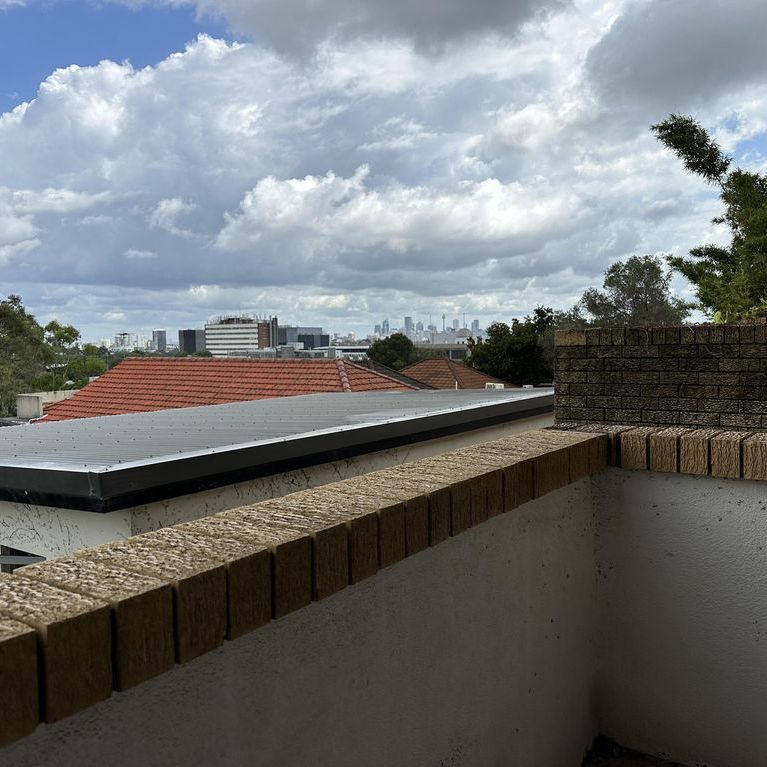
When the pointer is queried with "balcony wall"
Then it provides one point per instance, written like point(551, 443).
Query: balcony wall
point(629, 602)
point(478, 651)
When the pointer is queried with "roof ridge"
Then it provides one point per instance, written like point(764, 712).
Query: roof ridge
point(342, 374)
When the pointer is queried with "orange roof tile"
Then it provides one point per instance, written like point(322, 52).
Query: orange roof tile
point(448, 374)
point(139, 384)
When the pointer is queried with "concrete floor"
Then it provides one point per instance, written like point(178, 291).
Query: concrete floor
point(606, 753)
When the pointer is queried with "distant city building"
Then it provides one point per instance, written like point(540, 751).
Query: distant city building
point(455, 324)
point(191, 340)
point(239, 335)
point(419, 327)
point(475, 328)
point(159, 340)
point(128, 342)
point(310, 337)
point(377, 330)
point(385, 327)
point(408, 327)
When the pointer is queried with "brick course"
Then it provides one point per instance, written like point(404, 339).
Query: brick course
point(692, 376)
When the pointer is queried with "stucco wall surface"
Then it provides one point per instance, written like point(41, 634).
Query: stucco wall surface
point(186, 508)
point(50, 532)
point(682, 596)
point(475, 653)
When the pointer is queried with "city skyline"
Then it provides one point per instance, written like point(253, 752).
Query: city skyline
point(361, 168)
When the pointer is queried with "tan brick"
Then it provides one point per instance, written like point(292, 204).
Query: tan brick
point(695, 451)
point(142, 613)
point(400, 486)
point(74, 637)
point(612, 432)
point(725, 453)
point(291, 554)
point(392, 536)
point(633, 447)
point(199, 588)
point(329, 538)
point(248, 571)
point(485, 480)
point(322, 510)
point(463, 492)
point(20, 713)
point(665, 449)
point(755, 457)
point(570, 338)
point(516, 461)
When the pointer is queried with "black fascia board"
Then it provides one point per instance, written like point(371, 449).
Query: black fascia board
point(156, 479)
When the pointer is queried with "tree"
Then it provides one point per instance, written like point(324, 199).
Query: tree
point(397, 351)
point(515, 353)
point(731, 282)
point(61, 339)
point(23, 352)
point(636, 292)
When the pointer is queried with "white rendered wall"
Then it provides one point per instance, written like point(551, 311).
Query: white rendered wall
point(683, 616)
point(50, 532)
point(185, 508)
point(476, 653)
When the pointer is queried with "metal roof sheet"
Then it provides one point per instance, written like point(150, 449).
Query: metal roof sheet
point(110, 462)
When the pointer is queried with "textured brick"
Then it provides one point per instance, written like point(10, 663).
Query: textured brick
point(755, 457)
point(436, 492)
point(664, 449)
point(142, 613)
point(695, 451)
point(248, 569)
point(322, 509)
point(199, 588)
point(570, 338)
point(725, 453)
point(392, 532)
point(74, 638)
point(20, 713)
point(634, 447)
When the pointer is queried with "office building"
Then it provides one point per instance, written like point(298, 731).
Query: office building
point(239, 335)
point(191, 340)
point(159, 340)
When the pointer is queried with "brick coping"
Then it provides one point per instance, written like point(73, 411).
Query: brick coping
point(716, 452)
point(76, 628)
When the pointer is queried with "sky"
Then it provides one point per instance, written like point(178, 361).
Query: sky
point(335, 163)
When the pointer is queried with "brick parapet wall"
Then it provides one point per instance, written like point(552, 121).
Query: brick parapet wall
point(734, 454)
point(692, 376)
point(74, 629)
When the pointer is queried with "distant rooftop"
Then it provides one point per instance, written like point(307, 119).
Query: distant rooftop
point(100, 464)
point(448, 374)
point(141, 384)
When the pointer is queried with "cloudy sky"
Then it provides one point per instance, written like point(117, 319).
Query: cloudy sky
point(163, 161)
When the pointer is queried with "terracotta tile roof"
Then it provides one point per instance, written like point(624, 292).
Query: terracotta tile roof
point(139, 384)
point(445, 374)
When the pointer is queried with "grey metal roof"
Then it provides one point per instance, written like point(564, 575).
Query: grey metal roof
point(114, 461)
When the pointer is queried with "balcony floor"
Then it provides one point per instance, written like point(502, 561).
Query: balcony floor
point(605, 753)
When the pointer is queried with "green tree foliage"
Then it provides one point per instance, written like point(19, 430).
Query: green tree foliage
point(397, 351)
point(731, 282)
point(516, 353)
point(23, 352)
point(635, 292)
point(62, 340)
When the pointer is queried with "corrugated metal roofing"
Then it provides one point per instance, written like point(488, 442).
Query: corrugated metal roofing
point(107, 457)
